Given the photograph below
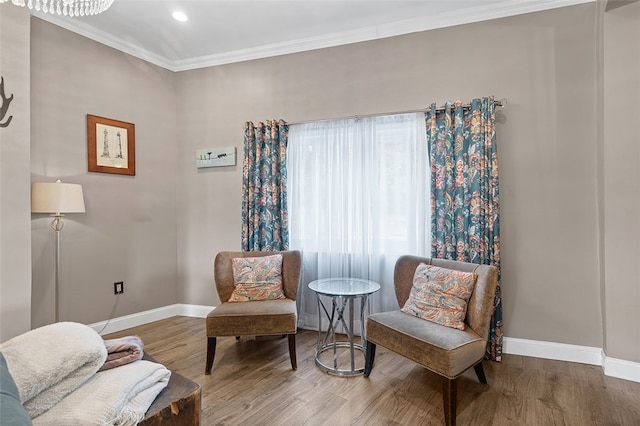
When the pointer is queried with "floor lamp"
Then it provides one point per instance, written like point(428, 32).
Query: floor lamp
point(57, 198)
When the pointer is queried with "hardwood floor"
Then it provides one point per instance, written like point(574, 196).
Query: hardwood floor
point(252, 384)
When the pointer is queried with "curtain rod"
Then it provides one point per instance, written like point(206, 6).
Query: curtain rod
point(501, 102)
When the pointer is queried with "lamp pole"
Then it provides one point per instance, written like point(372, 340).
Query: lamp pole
point(57, 226)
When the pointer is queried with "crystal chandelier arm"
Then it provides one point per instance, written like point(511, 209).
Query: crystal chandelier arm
point(65, 7)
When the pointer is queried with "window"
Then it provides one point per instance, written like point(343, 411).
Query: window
point(358, 199)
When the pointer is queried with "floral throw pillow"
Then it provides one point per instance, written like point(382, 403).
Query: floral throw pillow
point(440, 295)
point(257, 278)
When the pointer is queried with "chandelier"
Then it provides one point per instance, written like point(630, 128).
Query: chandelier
point(65, 7)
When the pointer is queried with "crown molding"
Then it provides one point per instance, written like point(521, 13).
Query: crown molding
point(482, 12)
point(107, 39)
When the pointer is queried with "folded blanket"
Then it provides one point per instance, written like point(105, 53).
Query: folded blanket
point(122, 351)
point(119, 396)
point(50, 362)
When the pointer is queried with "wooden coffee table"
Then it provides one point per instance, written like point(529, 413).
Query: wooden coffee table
point(177, 404)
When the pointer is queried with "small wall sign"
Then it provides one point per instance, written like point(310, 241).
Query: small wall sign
point(216, 157)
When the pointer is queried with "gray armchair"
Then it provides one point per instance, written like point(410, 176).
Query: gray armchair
point(254, 318)
point(445, 351)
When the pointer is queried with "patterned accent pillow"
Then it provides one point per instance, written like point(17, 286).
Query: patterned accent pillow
point(440, 295)
point(257, 278)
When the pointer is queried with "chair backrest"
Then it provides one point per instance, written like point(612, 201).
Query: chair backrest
point(480, 307)
point(291, 271)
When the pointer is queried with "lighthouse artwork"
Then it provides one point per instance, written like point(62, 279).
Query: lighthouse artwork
point(111, 145)
point(114, 146)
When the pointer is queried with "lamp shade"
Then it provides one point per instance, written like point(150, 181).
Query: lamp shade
point(57, 197)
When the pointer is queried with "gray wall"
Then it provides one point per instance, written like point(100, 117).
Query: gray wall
point(129, 230)
point(544, 63)
point(621, 181)
point(15, 185)
point(160, 230)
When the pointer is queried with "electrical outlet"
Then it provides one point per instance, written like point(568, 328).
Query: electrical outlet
point(118, 288)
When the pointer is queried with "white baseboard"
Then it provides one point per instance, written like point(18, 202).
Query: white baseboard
point(612, 367)
point(145, 317)
point(196, 311)
point(534, 348)
point(621, 369)
point(551, 350)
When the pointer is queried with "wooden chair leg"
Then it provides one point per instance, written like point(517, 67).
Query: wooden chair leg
point(370, 354)
point(211, 353)
point(449, 396)
point(480, 373)
point(292, 351)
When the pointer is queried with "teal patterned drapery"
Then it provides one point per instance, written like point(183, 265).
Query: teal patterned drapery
point(465, 223)
point(264, 187)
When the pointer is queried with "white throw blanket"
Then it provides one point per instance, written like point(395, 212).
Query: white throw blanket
point(119, 396)
point(50, 362)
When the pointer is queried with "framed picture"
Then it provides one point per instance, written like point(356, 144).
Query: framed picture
point(111, 145)
point(216, 157)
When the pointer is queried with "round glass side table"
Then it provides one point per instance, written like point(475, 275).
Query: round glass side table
point(340, 294)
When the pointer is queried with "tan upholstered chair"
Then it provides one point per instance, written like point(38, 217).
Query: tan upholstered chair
point(445, 351)
point(255, 318)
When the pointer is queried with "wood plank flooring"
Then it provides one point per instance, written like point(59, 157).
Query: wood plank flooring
point(252, 384)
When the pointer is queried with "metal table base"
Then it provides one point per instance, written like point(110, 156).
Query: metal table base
point(341, 300)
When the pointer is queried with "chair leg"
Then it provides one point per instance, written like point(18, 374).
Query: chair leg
point(370, 354)
point(480, 373)
point(449, 396)
point(292, 351)
point(211, 353)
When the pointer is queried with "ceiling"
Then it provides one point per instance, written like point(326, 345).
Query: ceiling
point(226, 31)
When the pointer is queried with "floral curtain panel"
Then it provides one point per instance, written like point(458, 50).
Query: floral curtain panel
point(264, 187)
point(465, 223)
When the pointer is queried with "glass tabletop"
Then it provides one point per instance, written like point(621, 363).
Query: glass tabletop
point(344, 286)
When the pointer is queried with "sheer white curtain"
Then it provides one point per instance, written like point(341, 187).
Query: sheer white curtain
point(358, 199)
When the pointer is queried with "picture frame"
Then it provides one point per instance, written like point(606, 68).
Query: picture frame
point(111, 146)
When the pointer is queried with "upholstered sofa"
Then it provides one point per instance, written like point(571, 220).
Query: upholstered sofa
point(11, 410)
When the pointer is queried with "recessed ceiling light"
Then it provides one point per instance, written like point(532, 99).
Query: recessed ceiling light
point(179, 16)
